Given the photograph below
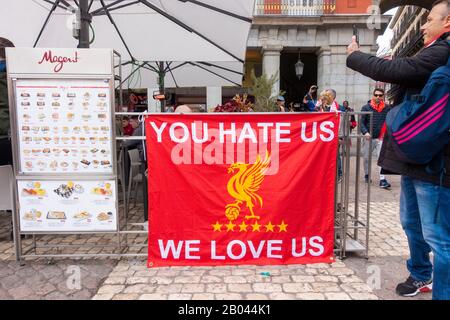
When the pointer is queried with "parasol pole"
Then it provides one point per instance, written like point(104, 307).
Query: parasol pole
point(86, 18)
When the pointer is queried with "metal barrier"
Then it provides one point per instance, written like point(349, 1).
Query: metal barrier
point(352, 216)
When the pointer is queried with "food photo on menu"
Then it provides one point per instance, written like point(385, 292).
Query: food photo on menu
point(62, 127)
point(67, 205)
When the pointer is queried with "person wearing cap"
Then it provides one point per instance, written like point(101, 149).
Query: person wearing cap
point(281, 102)
point(310, 99)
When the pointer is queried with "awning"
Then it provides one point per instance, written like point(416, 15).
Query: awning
point(212, 32)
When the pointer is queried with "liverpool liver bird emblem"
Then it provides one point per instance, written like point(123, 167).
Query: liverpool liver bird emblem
point(244, 185)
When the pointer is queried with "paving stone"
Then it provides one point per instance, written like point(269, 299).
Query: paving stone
point(168, 273)
point(139, 288)
point(136, 280)
point(56, 295)
point(43, 289)
point(311, 271)
point(10, 282)
point(341, 272)
point(146, 273)
point(90, 282)
point(258, 279)
point(114, 289)
point(81, 295)
point(235, 279)
point(219, 272)
point(310, 296)
point(160, 280)
point(363, 296)
point(243, 272)
point(180, 296)
point(216, 288)
point(297, 287)
point(256, 296)
point(203, 296)
point(303, 278)
point(169, 288)
point(153, 296)
point(349, 279)
point(267, 287)
point(115, 280)
point(326, 279)
point(187, 279)
point(337, 296)
point(194, 272)
point(211, 279)
point(356, 287)
point(239, 287)
point(126, 296)
point(281, 279)
point(193, 288)
point(326, 287)
point(20, 292)
point(228, 296)
point(281, 296)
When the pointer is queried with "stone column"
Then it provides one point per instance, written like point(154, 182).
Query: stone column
point(271, 64)
point(213, 97)
point(323, 68)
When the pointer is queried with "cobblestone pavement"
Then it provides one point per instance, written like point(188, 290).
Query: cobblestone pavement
point(41, 280)
point(352, 278)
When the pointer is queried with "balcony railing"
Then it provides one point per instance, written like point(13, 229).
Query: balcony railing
point(295, 7)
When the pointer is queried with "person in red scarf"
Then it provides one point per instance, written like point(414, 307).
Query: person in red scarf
point(379, 110)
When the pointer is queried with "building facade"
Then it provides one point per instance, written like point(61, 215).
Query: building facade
point(407, 39)
point(317, 33)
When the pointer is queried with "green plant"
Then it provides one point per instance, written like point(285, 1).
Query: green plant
point(262, 91)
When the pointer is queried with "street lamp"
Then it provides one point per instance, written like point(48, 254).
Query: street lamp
point(299, 66)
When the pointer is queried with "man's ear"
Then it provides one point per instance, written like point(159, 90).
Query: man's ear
point(447, 23)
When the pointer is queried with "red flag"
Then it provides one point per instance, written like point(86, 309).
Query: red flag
point(241, 189)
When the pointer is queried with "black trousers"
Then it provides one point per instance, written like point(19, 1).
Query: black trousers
point(5, 152)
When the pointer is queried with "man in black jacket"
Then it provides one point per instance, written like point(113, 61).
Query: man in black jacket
point(379, 110)
point(425, 201)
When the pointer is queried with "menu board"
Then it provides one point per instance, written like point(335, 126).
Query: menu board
point(67, 206)
point(64, 126)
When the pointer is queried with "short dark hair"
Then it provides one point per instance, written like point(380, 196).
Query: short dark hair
point(447, 2)
point(125, 118)
point(4, 43)
point(378, 90)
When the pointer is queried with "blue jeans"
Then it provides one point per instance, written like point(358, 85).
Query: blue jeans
point(425, 217)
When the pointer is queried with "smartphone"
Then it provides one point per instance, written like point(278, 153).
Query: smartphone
point(356, 33)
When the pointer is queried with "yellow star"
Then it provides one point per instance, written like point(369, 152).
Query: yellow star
point(230, 226)
point(217, 227)
point(243, 227)
point(269, 227)
point(256, 226)
point(282, 226)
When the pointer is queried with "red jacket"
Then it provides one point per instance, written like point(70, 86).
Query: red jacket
point(128, 130)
